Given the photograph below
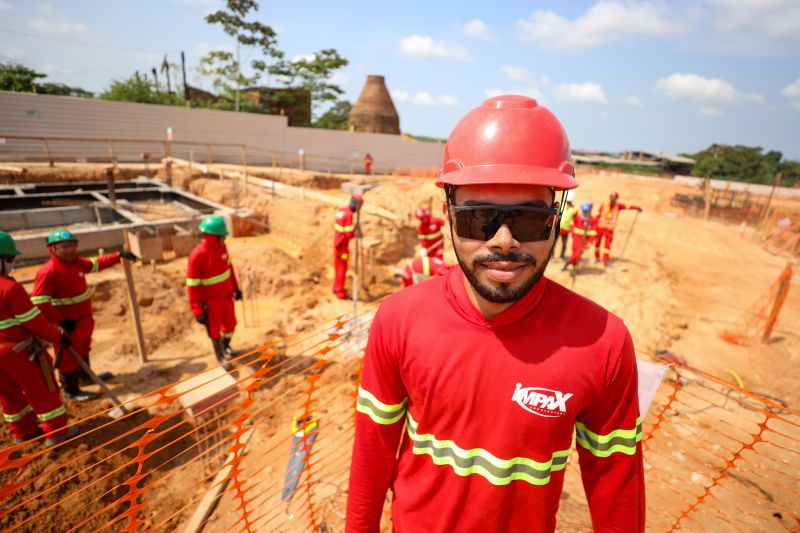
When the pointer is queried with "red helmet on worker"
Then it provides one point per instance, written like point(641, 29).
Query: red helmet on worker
point(422, 214)
point(356, 201)
point(614, 196)
point(508, 139)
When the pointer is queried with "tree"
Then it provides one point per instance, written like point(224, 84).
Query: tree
point(139, 89)
point(742, 163)
point(335, 118)
point(19, 78)
point(223, 69)
point(314, 75)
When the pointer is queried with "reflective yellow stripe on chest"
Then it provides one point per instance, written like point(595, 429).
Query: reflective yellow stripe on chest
point(194, 282)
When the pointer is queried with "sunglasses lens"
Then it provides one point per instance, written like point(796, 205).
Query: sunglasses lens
point(483, 222)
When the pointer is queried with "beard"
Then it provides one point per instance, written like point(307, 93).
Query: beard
point(503, 293)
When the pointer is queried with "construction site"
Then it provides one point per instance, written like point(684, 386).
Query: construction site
point(704, 278)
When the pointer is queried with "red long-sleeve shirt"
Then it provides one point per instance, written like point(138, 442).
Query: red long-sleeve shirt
point(608, 216)
point(60, 288)
point(430, 232)
point(344, 228)
point(210, 274)
point(585, 227)
point(489, 409)
point(19, 317)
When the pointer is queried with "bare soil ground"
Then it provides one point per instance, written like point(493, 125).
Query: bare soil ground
point(680, 282)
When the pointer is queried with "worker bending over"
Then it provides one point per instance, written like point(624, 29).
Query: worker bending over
point(421, 268)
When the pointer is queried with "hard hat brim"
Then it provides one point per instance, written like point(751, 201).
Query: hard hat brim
point(508, 174)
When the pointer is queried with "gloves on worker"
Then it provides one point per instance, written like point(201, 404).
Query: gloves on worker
point(129, 256)
point(202, 318)
point(237, 294)
point(68, 325)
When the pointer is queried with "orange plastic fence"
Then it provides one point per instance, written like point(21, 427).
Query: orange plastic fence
point(717, 458)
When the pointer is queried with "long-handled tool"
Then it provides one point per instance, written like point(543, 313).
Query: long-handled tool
point(86, 368)
point(630, 232)
point(36, 353)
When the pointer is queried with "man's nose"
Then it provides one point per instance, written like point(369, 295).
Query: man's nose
point(503, 240)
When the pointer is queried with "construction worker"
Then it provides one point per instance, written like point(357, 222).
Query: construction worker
point(344, 229)
point(491, 369)
point(608, 215)
point(431, 238)
point(61, 292)
point(584, 232)
point(421, 268)
point(368, 163)
point(212, 286)
point(566, 221)
point(29, 394)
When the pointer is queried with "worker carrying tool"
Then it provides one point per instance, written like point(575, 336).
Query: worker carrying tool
point(61, 292)
point(566, 221)
point(608, 215)
point(584, 233)
point(368, 163)
point(431, 238)
point(29, 394)
point(421, 268)
point(492, 369)
point(344, 229)
point(212, 286)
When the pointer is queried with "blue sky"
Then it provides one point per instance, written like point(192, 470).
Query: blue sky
point(673, 76)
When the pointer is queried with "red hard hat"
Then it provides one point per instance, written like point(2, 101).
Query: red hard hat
point(508, 139)
point(615, 195)
point(358, 198)
point(421, 213)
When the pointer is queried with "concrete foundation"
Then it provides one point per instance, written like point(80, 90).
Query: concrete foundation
point(149, 209)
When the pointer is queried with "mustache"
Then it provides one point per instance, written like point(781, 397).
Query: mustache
point(511, 257)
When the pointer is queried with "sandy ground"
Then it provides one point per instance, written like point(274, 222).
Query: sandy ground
point(681, 281)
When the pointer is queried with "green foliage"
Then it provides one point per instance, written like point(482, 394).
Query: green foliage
point(425, 139)
point(224, 72)
point(335, 118)
point(314, 75)
point(141, 89)
point(19, 78)
point(743, 163)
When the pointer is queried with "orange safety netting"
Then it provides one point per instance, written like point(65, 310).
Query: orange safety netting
point(717, 458)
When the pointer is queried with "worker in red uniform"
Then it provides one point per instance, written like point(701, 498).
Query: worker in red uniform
point(61, 292)
point(584, 233)
point(566, 221)
point(491, 369)
point(431, 238)
point(29, 394)
point(421, 268)
point(212, 287)
point(344, 229)
point(368, 163)
point(608, 215)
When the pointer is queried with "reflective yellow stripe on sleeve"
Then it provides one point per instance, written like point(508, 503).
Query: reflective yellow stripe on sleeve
point(426, 266)
point(194, 282)
point(431, 236)
point(379, 412)
point(17, 320)
point(621, 440)
point(344, 229)
point(41, 299)
point(95, 264)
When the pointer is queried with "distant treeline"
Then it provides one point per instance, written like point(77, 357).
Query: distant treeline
point(745, 163)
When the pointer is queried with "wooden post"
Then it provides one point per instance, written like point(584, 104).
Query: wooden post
point(775, 185)
point(168, 163)
point(111, 157)
point(112, 194)
point(784, 282)
point(47, 153)
point(707, 198)
point(134, 303)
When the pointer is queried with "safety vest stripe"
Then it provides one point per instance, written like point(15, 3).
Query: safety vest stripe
point(95, 264)
point(225, 335)
point(193, 282)
point(379, 412)
point(41, 299)
point(621, 440)
point(74, 300)
point(55, 413)
point(431, 236)
point(17, 320)
point(481, 462)
point(585, 232)
point(344, 229)
point(14, 417)
point(426, 266)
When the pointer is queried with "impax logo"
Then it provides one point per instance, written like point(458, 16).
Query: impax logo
point(542, 402)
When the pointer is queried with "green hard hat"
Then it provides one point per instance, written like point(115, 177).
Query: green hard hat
point(60, 235)
point(7, 246)
point(214, 225)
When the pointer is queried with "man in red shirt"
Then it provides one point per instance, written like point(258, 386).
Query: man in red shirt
point(421, 268)
point(212, 286)
point(491, 369)
point(29, 394)
point(368, 163)
point(61, 292)
point(431, 238)
point(344, 229)
point(608, 217)
point(584, 232)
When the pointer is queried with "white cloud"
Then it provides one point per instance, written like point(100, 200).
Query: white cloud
point(776, 19)
point(52, 22)
point(605, 22)
point(516, 74)
point(5, 6)
point(339, 78)
point(792, 90)
point(708, 111)
point(633, 101)
point(10, 51)
point(476, 29)
point(425, 99)
point(796, 105)
point(419, 47)
point(694, 88)
point(303, 57)
point(581, 93)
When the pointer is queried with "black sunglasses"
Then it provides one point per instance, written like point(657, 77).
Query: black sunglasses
point(527, 223)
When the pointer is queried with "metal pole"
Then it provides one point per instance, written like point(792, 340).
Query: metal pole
point(630, 232)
